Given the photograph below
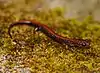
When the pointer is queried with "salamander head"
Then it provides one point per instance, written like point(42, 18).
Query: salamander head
point(81, 43)
point(84, 43)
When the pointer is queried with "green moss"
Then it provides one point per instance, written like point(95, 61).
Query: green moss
point(43, 54)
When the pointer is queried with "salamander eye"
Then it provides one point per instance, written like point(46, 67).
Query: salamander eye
point(84, 44)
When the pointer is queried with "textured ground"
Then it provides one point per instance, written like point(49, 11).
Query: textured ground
point(43, 55)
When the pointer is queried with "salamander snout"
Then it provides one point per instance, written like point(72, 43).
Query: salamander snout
point(85, 43)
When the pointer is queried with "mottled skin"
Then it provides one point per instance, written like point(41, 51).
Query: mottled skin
point(71, 42)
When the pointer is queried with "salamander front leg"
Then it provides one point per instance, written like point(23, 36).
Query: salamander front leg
point(71, 48)
point(37, 29)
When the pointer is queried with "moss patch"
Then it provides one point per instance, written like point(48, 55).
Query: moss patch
point(39, 54)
